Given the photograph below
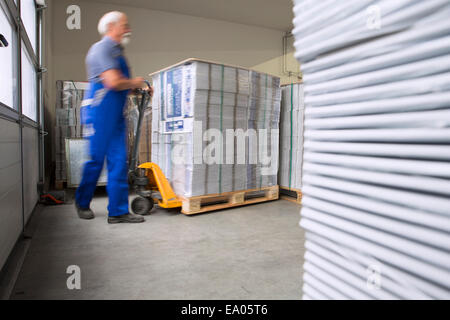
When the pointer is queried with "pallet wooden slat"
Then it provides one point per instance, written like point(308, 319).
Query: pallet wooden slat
point(292, 195)
point(207, 203)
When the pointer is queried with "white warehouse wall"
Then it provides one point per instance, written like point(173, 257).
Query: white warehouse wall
point(159, 39)
point(30, 170)
point(10, 188)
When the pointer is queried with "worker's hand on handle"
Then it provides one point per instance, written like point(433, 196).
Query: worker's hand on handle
point(141, 84)
point(138, 83)
point(150, 91)
point(115, 80)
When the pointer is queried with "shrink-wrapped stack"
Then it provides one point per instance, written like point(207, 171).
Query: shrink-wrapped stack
point(132, 116)
point(69, 97)
point(195, 105)
point(291, 136)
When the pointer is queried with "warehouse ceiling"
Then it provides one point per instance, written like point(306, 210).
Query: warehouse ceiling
point(274, 14)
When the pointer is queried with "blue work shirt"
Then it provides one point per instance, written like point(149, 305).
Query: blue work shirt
point(103, 56)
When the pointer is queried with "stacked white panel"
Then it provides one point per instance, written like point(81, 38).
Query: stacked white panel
point(291, 136)
point(376, 187)
point(218, 98)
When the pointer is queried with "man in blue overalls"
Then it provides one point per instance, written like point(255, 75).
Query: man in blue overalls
point(102, 111)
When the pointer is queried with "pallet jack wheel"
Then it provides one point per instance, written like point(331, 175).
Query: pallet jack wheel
point(142, 206)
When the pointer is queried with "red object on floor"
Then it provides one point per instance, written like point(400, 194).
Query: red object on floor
point(49, 199)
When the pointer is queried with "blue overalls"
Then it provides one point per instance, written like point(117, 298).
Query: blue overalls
point(105, 114)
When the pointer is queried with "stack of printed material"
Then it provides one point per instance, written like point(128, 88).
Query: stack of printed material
point(132, 116)
point(376, 181)
point(291, 136)
point(195, 105)
point(69, 97)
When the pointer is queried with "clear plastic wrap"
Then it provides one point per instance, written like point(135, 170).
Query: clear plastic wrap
point(132, 116)
point(291, 136)
point(217, 99)
point(69, 97)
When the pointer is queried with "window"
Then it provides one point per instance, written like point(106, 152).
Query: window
point(28, 12)
point(9, 60)
point(8, 78)
point(29, 81)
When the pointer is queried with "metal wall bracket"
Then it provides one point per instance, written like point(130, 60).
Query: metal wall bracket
point(42, 70)
point(41, 8)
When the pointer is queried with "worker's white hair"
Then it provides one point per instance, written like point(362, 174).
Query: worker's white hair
point(107, 19)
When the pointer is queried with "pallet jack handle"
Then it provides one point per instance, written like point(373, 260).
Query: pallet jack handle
point(141, 107)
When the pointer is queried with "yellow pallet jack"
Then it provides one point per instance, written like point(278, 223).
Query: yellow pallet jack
point(147, 179)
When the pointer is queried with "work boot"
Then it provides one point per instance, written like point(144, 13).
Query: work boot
point(126, 218)
point(86, 214)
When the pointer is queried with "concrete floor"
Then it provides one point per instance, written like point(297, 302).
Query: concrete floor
point(252, 252)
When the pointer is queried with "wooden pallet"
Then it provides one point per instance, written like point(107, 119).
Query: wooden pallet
point(60, 184)
point(207, 203)
point(293, 195)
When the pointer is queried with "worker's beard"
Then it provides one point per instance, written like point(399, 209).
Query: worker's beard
point(126, 39)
